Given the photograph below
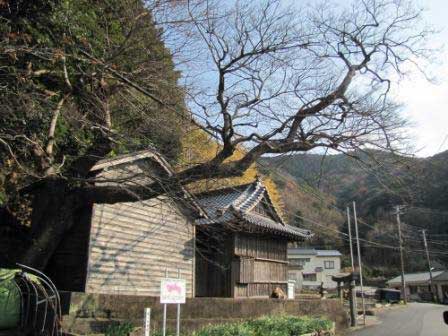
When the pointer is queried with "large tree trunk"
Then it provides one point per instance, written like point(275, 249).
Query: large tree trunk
point(53, 215)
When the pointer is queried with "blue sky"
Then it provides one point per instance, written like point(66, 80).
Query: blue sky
point(425, 103)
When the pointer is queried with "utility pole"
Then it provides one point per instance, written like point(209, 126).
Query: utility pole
point(429, 263)
point(359, 263)
point(352, 285)
point(400, 240)
point(350, 238)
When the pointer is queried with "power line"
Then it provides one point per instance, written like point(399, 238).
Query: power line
point(344, 236)
point(435, 242)
point(430, 210)
point(314, 193)
point(375, 244)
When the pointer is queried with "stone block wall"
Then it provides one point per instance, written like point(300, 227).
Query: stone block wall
point(88, 313)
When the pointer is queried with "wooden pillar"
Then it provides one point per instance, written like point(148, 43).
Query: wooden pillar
point(353, 307)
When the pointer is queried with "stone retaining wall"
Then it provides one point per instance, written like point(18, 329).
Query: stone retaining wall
point(92, 312)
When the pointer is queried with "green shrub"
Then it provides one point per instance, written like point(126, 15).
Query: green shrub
point(320, 324)
point(122, 329)
point(282, 325)
point(230, 329)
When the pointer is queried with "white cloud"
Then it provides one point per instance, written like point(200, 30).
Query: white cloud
point(426, 104)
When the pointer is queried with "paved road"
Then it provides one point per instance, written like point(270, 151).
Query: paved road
point(417, 319)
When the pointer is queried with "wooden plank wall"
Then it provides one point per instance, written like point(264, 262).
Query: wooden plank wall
point(213, 263)
point(132, 244)
point(259, 266)
point(259, 246)
point(268, 271)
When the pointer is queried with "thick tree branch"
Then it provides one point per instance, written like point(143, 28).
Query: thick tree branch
point(52, 128)
point(101, 146)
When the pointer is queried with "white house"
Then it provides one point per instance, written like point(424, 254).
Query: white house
point(310, 267)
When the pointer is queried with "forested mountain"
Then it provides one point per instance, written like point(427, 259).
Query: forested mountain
point(378, 182)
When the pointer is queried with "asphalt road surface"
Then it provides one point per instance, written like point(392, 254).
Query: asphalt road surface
point(417, 319)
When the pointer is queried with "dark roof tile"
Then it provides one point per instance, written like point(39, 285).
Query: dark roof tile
point(233, 203)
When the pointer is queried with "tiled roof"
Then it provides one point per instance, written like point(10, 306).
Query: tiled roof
point(236, 203)
point(268, 223)
point(415, 277)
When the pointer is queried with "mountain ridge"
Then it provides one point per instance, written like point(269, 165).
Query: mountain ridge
point(377, 183)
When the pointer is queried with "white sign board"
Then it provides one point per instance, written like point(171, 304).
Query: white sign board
point(173, 291)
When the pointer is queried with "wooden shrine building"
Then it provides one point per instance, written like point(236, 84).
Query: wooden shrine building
point(241, 248)
point(225, 243)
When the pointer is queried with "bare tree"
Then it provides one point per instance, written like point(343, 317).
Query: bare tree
point(275, 80)
point(259, 76)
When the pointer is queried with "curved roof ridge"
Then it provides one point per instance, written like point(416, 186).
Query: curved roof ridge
point(276, 211)
point(252, 199)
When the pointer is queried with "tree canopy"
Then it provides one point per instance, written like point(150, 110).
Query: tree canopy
point(84, 80)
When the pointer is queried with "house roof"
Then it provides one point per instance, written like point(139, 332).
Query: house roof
point(328, 253)
point(305, 252)
point(414, 278)
point(150, 153)
point(235, 203)
point(153, 155)
point(313, 252)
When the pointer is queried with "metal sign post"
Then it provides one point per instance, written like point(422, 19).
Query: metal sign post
point(147, 322)
point(164, 320)
point(164, 309)
point(172, 291)
point(178, 310)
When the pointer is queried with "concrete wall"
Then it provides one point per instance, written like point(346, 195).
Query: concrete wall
point(91, 313)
